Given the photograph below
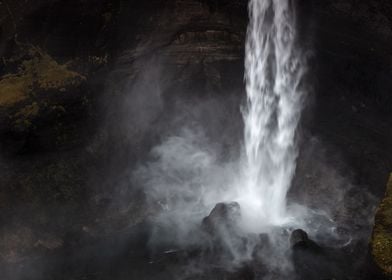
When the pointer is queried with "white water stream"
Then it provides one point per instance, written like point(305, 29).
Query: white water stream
point(274, 66)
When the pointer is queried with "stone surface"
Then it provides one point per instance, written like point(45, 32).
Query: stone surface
point(299, 238)
point(382, 232)
point(224, 216)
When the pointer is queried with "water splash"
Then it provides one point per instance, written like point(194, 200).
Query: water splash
point(187, 174)
point(274, 67)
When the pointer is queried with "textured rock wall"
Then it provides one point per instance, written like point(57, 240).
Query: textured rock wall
point(64, 124)
point(382, 233)
point(353, 43)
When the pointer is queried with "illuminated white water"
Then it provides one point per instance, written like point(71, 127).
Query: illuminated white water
point(186, 176)
point(274, 67)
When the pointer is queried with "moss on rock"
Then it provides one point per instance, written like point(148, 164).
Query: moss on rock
point(382, 233)
point(29, 111)
point(24, 117)
point(13, 89)
point(40, 72)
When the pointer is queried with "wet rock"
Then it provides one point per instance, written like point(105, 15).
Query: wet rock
point(300, 241)
point(312, 261)
point(263, 244)
point(224, 236)
point(224, 215)
point(299, 238)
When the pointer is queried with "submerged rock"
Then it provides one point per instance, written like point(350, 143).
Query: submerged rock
point(382, 233)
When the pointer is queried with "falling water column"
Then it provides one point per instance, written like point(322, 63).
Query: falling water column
point(274, 67)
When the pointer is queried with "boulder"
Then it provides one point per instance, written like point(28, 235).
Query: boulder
point(312, 261)
point(224, 215)
point(299, 238)
point(223, 232)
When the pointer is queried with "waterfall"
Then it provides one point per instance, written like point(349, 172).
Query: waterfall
point(274, 67)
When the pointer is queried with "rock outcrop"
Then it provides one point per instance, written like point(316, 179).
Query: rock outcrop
point(382, 233)
point(224, 216)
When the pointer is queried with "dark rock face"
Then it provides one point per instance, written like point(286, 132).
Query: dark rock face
point(353, 40)
point(70, 66)
point(40, 94)
point(194, 43)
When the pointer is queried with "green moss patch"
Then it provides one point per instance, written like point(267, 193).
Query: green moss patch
point(41, 72)
point(14, 88)
point(382, 233)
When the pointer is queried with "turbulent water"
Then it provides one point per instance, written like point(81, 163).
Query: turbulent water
point(274, 67)
point(188, 173)
point(200, 161)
